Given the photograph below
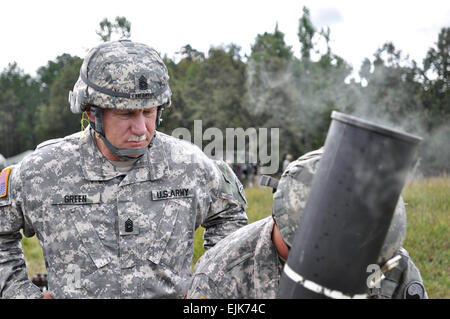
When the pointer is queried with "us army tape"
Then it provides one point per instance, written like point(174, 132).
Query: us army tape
point(319, 289)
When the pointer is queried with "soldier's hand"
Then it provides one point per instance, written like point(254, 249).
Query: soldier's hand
point(47, 295)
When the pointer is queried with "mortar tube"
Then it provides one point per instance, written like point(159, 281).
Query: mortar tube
point(351, 203)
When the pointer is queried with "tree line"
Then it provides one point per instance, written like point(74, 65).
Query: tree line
point(271, 87)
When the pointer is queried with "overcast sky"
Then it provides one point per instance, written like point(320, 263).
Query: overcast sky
point(33, 32)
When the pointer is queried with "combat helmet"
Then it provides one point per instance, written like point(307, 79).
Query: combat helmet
point(291, 196)
point(121, 75)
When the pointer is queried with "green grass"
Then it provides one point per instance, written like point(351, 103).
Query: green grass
point(427, 235)
point(34, 258)
point(427, 239)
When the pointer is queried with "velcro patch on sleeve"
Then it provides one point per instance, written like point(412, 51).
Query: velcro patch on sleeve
point(4, 177)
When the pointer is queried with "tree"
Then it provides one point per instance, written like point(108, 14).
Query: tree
point(271, 97)
point(437, 88)
point(400, 95)
point(188, 53)
point(55, 118)
point(306, 31)
point(49, 73)
point(222, 80)
point(210, 88)
point(19, 95)
point(269, 71)
point(121, 27)
point(186, 91)
point(436, 101)
point(392, 93)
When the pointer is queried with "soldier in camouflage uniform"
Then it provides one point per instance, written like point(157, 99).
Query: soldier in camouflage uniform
point(115, 207)
point(249, 262)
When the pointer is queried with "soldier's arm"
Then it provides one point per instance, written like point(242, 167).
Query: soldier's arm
point(404, 281)
point(14, 282)
point(202, 287)
point(410, 284)
point(227, 210)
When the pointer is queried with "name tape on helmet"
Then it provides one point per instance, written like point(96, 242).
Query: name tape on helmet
point(132, 95)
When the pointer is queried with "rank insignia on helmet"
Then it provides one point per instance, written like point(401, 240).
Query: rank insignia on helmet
point(4, 176)
point(143, 83)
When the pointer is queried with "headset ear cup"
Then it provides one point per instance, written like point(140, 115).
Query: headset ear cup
point(158, 116)
point(77, 100)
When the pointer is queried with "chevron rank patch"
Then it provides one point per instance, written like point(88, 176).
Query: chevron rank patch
point(4, 176)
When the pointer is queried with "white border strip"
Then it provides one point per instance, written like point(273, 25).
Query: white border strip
point(308, 284)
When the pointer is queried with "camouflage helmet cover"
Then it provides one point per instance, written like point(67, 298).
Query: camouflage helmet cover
point(121, 75)
point(292, 193)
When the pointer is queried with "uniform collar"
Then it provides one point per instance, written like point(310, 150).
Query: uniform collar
point(151, 166)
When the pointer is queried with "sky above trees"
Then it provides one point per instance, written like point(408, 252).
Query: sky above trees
point(35, 31)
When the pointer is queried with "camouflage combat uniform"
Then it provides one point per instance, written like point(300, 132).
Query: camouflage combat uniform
point(107, 234)
point(246, 265)
point(243, 265)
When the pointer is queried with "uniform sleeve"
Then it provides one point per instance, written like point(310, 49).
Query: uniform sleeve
point(14, 282)
point(202, 287)
point(404, 281)
point(227, 211)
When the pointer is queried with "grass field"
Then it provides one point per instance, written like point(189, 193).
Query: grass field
point(427, 239)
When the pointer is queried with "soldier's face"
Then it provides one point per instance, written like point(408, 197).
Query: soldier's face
point(129, 128)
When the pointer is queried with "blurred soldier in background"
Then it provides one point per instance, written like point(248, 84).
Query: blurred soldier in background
point(249, 262)
point(115, 207)
point(287, 160)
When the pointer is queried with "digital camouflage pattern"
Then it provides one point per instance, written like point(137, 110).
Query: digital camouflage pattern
point(123, 67)
point(235, 266)
point(292, 194)
point(232, 186)
point(243, 265)
point(107, 234)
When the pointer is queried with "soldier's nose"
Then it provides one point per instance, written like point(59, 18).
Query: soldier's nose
point(138, 127)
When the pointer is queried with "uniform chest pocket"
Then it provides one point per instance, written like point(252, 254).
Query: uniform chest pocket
point(171, 232)
point(90, 239)
point(71, 208)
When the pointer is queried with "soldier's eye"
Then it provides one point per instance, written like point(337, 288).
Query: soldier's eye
point(125, 114)
point(149, 112)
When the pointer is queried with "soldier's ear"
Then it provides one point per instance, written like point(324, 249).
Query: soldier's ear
point(89, 114)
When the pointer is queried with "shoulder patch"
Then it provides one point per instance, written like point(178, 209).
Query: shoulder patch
point(231, 184)
point(4, 177)
point(414, 290)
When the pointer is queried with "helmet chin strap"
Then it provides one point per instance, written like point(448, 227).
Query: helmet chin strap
point(122, 153)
